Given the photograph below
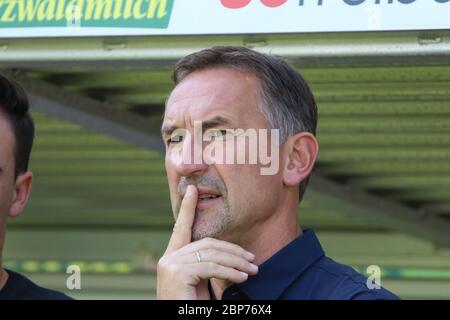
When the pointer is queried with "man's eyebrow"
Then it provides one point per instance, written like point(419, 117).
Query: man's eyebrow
point(215, 122)
point(207, 124)
point(168, 129)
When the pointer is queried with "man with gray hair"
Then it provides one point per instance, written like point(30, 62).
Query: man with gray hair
point(237, 234)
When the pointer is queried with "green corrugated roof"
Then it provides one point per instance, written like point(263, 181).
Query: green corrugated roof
point(384, 128)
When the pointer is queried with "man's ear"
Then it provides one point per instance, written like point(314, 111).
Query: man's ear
point(301, 154)
point(22, 190)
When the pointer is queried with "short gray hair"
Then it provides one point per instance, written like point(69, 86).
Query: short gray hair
point(287, 101)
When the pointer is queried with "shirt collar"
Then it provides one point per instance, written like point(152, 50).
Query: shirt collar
point(278, 272)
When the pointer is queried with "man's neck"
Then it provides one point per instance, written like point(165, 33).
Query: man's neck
point(264, 242)
point(3, 277)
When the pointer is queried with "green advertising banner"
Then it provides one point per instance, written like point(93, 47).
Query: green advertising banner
point(88, 13)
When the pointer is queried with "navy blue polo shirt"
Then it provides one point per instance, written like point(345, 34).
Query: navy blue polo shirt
point(301, 271)
point(18, 287)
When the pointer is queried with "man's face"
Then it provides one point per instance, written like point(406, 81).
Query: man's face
point(7, 181)
point(222, 98)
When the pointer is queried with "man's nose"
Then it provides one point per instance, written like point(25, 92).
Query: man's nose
point(191, 157)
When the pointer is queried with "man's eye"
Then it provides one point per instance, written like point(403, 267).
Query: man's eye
point(175, 139)
point(219, 133)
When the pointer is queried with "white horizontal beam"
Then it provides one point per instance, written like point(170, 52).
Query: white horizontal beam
point(37, 53)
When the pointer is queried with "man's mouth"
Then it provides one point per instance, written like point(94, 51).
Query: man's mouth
point(207, 197)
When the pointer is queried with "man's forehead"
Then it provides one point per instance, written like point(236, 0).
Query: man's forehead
point(6, 141)
point(212, 91)
point(6, 131)
point(197, 107)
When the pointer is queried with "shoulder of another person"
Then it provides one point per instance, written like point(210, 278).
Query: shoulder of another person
point(19, 287)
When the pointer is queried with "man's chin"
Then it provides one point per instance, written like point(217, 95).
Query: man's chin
point(201, 234)
point(202, 230)
point(210, 223)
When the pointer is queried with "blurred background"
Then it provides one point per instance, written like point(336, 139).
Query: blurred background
point(379, 195)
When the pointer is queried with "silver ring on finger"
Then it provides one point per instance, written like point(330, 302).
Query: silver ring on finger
point(198, 255)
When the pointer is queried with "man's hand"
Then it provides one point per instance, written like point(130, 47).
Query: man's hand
point(181, 276)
